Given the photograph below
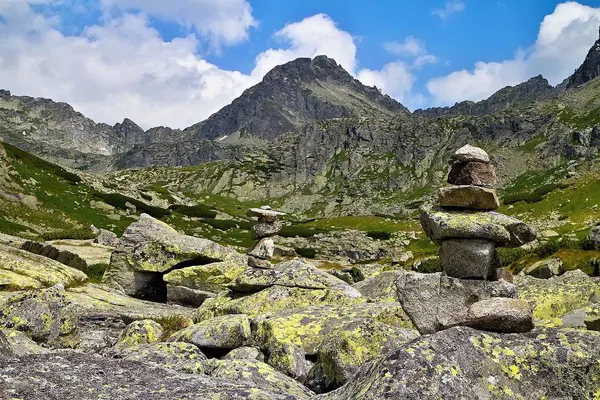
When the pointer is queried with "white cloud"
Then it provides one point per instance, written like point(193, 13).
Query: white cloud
point(224, 22)
point(451, 7)
point(424, 60)
point(563, 41)
point(411, 47)
point(395, 79)
point(124, 68)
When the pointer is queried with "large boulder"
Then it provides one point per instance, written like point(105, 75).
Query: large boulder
point(435, 302)
point(179, 356)
point(225, 332)
point(294, 273)
point(21, 270)
point(507, 231)
point(380, 288)
point(72, 375)
point(46, 315)
point(150, 248)
point(79, 254)
point(462, 363)
point(140, 332)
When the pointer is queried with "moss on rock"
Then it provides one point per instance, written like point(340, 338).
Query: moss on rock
point(140, 332)
point(224, 332)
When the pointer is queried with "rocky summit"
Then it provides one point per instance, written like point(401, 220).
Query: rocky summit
point(448, 253)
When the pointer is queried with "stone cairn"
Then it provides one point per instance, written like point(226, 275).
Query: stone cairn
point(469, 231)
point(268, 225)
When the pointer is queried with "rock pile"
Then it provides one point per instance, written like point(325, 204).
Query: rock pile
point(469, 232)
point(268, 225)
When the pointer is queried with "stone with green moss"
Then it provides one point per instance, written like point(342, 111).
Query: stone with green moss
point(294, 273)
point(554, 298)
point(354, 344)
point(440, 224)
point(463, 363)
point(140, 332)
point(381, 288)
point(46, 315)
point(213, 277)
point(258, 374)
point(245, 353)
point(224, 332)
point(307, 328)
point(178, 356)
point(21, 270)
point(272, 299)
point(20, 344)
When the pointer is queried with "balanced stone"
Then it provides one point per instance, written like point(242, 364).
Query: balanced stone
point(472, 173)
point(507, 231)
point(500, 314)
point(259, 263)
point(468, 258)
point(474, 197)
point(471, 153)
point(264, 249)
point(265, 229)
point(265, 214)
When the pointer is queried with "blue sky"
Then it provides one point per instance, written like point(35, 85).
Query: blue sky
point(175, 62)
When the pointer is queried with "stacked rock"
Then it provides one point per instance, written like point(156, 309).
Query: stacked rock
point(268, 225)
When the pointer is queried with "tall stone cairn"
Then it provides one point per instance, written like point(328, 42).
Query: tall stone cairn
point(469, 230)
point(268, 225)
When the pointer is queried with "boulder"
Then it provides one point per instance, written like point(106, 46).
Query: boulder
point(436, 302)
point(140, 332)
point(294, 273)
point(212, 278)
point(178, 356)
point(46, 315)
point(245, 353)
point(594, 237)
point(354, 344)
point(21, 270)
point(469, 153)
point(500, 314)
point(263, 250)
point(79, 376)
point(473, 173)
point(380, 288)
point(187, 296)
point(106, 238)
point(258, 263)
point(468, 196)
point(274, 298)
point(463, 363)
point(506, 231)
point(544, 269)
point(469, 258)
point(266, 229)
point(15, 343)
point(150, 248)
point(259, 375)
point(225, 332)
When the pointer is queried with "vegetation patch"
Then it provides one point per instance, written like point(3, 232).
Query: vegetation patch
point(196, 211)
point(119, 201)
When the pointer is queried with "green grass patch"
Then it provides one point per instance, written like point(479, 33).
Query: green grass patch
point(196, 211)
point(119, 201)
point(70, 233)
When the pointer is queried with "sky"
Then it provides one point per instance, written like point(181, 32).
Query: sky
point(174, 63)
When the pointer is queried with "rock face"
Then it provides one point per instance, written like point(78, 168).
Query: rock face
point(468, 251)
point(150, 248)
point(589, 69)
point(462, 363)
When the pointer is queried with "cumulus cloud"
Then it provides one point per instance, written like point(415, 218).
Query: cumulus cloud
point(563, 41)
point(411, 47)
point(395, 79)
point(451, 7)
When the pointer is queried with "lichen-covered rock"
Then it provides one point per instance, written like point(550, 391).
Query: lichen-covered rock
point(266, 229)
point(381, 288)
point(245, 353)
point(305, 329)
point(224, 332)
point(140, 332)
point(354, 344)
point(178, 356)
point(151, 246)
point(106, 238)
point(187, 296)
point(462, 363)
point(468, 196)
point(259, 263)
point(46, 315)
point(506, 231)
point(260, 375)
point(501, 314)
point(263, 250)
point(294, 273)
point(5, 347)
point(544, 269)
point(556, 297)
point(71, 375)
point(472, 173)
point(469, 258)
point(20, 344)
point(21, 270)
point(213, 277)
point(275, 298)
point(435, 302)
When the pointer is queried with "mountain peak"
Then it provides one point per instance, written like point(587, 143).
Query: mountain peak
point(590, 68)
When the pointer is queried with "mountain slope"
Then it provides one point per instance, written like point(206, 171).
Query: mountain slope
point(296, 93)
point(590, 68)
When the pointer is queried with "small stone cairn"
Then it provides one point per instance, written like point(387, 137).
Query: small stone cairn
point(268, 225)
point(469, 231)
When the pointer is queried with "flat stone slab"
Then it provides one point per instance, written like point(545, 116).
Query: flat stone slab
point(473, 173)
point(265, 214)
point(501, 315)
point(506, 231)
point(471, 153)
point(468, 196)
